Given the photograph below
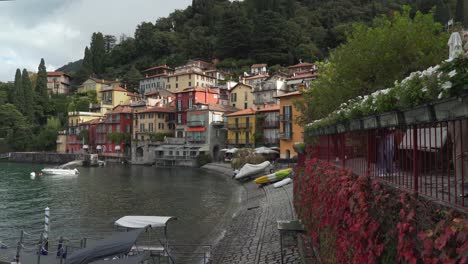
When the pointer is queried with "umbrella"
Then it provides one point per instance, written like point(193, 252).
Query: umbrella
point(265, 150)
point(455, 45)
point(233, 150)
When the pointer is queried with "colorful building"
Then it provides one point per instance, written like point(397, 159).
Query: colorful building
point(153, 120)
point(58, 82)
point(118, 123)
point(112, 97)
point(242, 128)
point(290, 131)
point(91, 126)
point(257, 69)
point(241, 96)
point(186, 99)
point(155, 78)
point(94, 84)
point(270, 125)
point(185, 77)
point(265, 92)
point(74, 144)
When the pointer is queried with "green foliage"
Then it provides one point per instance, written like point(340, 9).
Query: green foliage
point(84, 135)
point(14, 128)
point(98, 52)
point(132, 79)
point(28, 108)
point(373, 57)
point(158, 137)
point(18, 93)
point(42, 107)
point(203, 159)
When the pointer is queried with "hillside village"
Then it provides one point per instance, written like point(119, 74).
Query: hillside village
point(182, 113)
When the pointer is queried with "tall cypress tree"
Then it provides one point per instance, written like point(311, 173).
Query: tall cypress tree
point(98, 52)
point(460, 12)
point(42, 96)
point(18, 93)
point(86, 67)
point(28, 109)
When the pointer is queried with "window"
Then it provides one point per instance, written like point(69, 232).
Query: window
point(177, 78)
point(179, 118)
point(142, 127)
point(109, 129)
point(245, 95)
point(117, 128)
point(179, 105)
point(245, 105)
point(233, 97)
point(142, 116)
point(127, 129)
point(247, 122)
point(190, 102)
point(176, 85)
point(189, 84)
point(150, 127)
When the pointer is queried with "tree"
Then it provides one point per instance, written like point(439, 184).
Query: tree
point(46, 139)
point(86, 68)
point(18, 93)
point(372, 58)
point(461, 12)
point(42, 97)
point(109, 42)
point(14, 127)
point(28, 108)
point(132, 79)
point(98, 52)
point(234, 34)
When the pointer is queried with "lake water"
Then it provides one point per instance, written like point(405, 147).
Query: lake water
point(88, 204)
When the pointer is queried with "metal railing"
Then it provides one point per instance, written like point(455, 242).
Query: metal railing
point(271, 124)
point(195, 123)
point(429, 159)
point(271, 141)
point(286, 136)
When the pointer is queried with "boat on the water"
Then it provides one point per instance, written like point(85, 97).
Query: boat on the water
point(249, 170)
point(55, 171)
point(274, 177)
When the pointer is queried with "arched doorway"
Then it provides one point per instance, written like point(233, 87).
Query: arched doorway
point(216, 153)
point(139, 152)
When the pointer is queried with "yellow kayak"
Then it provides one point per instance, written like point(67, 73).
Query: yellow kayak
point(275, 176)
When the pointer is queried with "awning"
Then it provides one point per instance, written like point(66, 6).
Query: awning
point(98, 147)
point(120, 243)
point(195, 129)
point(85, 146)
point(133, 221)
point(129, 260)
point(117, 147)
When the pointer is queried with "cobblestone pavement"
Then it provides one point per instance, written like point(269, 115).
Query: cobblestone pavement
point(253, 237)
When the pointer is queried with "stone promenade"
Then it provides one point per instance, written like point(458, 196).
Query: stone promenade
point(253, 236)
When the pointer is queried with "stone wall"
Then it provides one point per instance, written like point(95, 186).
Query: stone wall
point(44, 157)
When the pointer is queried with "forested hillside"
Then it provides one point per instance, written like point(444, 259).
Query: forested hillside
point(240, 33)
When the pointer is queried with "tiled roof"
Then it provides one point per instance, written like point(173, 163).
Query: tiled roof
point(121, 109)
point(257, 76)
point(241, 84)
point(197, 89)
point(303, 76)
point(304, 64)
point(259, 65)
point(289, 94)
point(162, 92)
point(158, 109)
point(56, 73)
point(156, 75)
point(116, 89)
point(269, 108)
point(248, 111)
point(91, 122)
point(159, 67)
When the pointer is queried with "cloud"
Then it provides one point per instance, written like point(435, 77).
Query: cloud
point(59, 30)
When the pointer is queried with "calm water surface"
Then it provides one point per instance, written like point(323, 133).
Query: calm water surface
point(87, 205)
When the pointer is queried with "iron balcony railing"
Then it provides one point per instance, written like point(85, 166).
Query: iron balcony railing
point(197, 140)
point(286, 136)
point(195, 123)
point(239, 126)
point(286, 118)
point(271, 141)
point(112, 121)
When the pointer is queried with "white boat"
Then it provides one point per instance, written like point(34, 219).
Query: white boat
point(53, 171)
point(253, 169)
point(282, 183)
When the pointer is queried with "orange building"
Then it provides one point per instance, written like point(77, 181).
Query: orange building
point(290, 131)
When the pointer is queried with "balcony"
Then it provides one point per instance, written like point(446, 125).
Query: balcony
point(271, 124)
point(218, 124)
point(286, 118)
point(195, 123)
point(196, 140)
point(239, 126)
point(112, 121)
point(286, 136)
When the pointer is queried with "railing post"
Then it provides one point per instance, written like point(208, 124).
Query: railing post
point(415, 159)
point(368, 152)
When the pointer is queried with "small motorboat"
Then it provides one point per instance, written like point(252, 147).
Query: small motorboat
point(274, 177)
point(249, 170)
point(54, 171)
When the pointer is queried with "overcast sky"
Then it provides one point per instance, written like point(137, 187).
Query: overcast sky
point(59, 30)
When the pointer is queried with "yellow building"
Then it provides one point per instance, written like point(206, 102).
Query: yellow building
point(114, 96)
point(76, 118)
point(241, 96)
point(152, 121)
point(241, 128)
point(290, 131)
point(61, 142)
point(190, 78)
point(93, 84)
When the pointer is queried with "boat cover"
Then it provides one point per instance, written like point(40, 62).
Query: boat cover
point(134, 221)
point(252, 169)
point(130, 260)
point(120, 243)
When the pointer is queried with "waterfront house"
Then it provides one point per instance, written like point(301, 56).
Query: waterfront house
point(260, 68)
point(186, 99)
point(242, 128)
point(113, 96)
point(290, 131)
point(94, 84)
point(118, 123)
point(90, 127)
point(301, 75)
point(265, 92)
point(269, 125)
point(74, 144)
point(58, 82)
point(188, 76)
point(61, 142)
point(241, 96)
point(206, 127)
point(155, 78)
point(154, 120)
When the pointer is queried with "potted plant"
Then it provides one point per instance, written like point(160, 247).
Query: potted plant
point(371, 122)
point(419, 114)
